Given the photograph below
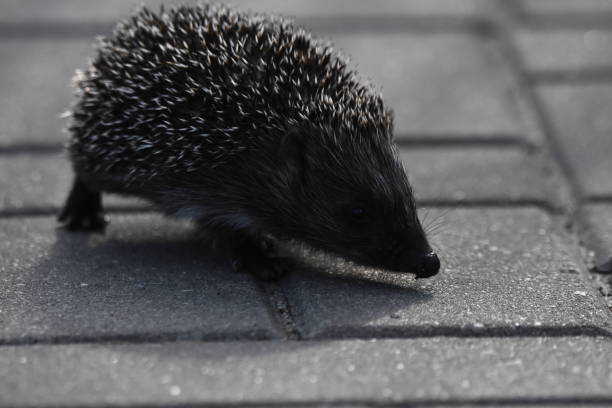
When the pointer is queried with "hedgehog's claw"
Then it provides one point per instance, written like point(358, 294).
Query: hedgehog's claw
point(83, 210)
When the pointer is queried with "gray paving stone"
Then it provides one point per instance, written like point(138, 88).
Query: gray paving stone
point(596, 228)
point(361, 8)
point(492, 174)
point(146, 278)
point(30, 181)
point(439, 85)
point(41, 182)
point(503, 270)
point(580, 117)
point(566, 50)
point(78, 10)
point(35, 87)
point(567, 6)
point(444, 85)
point(386, 371)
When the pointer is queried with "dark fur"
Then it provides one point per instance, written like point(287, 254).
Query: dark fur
point(250, 126)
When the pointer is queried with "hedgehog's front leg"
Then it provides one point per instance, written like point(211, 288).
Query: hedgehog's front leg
point(252, 254)
point(83, 209)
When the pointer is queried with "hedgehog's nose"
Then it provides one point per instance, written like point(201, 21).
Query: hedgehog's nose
point(429, 265)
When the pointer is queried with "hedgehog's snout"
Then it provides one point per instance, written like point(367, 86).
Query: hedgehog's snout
point(422, 264)
point(428, 265)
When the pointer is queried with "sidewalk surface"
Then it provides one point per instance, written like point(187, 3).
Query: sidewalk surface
point(504, 117)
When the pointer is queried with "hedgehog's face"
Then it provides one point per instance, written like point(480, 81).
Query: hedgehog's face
point(356, 202)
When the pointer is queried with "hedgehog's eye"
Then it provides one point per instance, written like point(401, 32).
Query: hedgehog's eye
point(358, 214)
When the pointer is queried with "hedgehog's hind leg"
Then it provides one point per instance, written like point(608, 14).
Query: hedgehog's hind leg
point(83, 209)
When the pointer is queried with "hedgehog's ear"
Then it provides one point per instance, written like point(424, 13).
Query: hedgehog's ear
point(291, 156)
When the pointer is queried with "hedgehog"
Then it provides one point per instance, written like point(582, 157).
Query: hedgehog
point(251, 127)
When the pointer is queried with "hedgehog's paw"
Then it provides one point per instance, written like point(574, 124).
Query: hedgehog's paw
point(253, 259)
point(83, 210)
point(83, 221)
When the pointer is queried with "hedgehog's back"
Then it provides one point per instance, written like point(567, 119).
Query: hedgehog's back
point(191, 87)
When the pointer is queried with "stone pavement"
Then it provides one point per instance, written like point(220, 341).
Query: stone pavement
point(504, 117)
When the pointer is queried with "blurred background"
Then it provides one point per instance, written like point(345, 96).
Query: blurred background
point(474, 74)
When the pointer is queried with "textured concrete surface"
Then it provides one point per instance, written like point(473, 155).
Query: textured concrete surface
point(76, 10)
point(567, 6)
point(597, 233)
point(487, 174)
point(33, 181)
point(504, 271)
point(440, 85)
point(502, 115)
point(144, 278)
point(379, 371)
point(35, 88)
point(40, 183)
point(564, 50)
point(580, 116)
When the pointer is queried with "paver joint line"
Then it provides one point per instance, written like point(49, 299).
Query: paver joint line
point(430, 204)
point(584, 76)
point(31, 148)
point(45, 212)
point(279, 308)
point(571, 401)
point(600, 21)
point(451, 140)
point(514, 57)
point(293, 334)
point(334, 25)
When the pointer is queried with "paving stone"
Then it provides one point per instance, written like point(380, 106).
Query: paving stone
point(439, 85)
point(386, 371)
point(35, 87)
point(580, 117)
point(443, 84)
point(30, 181)
point(146, 278)
point(567, 6)
point(596, 228)
point(566, 50)
point(492, 174)
point(350, 8)
point(503, 270)
point(78, 10)
point(41, 182)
